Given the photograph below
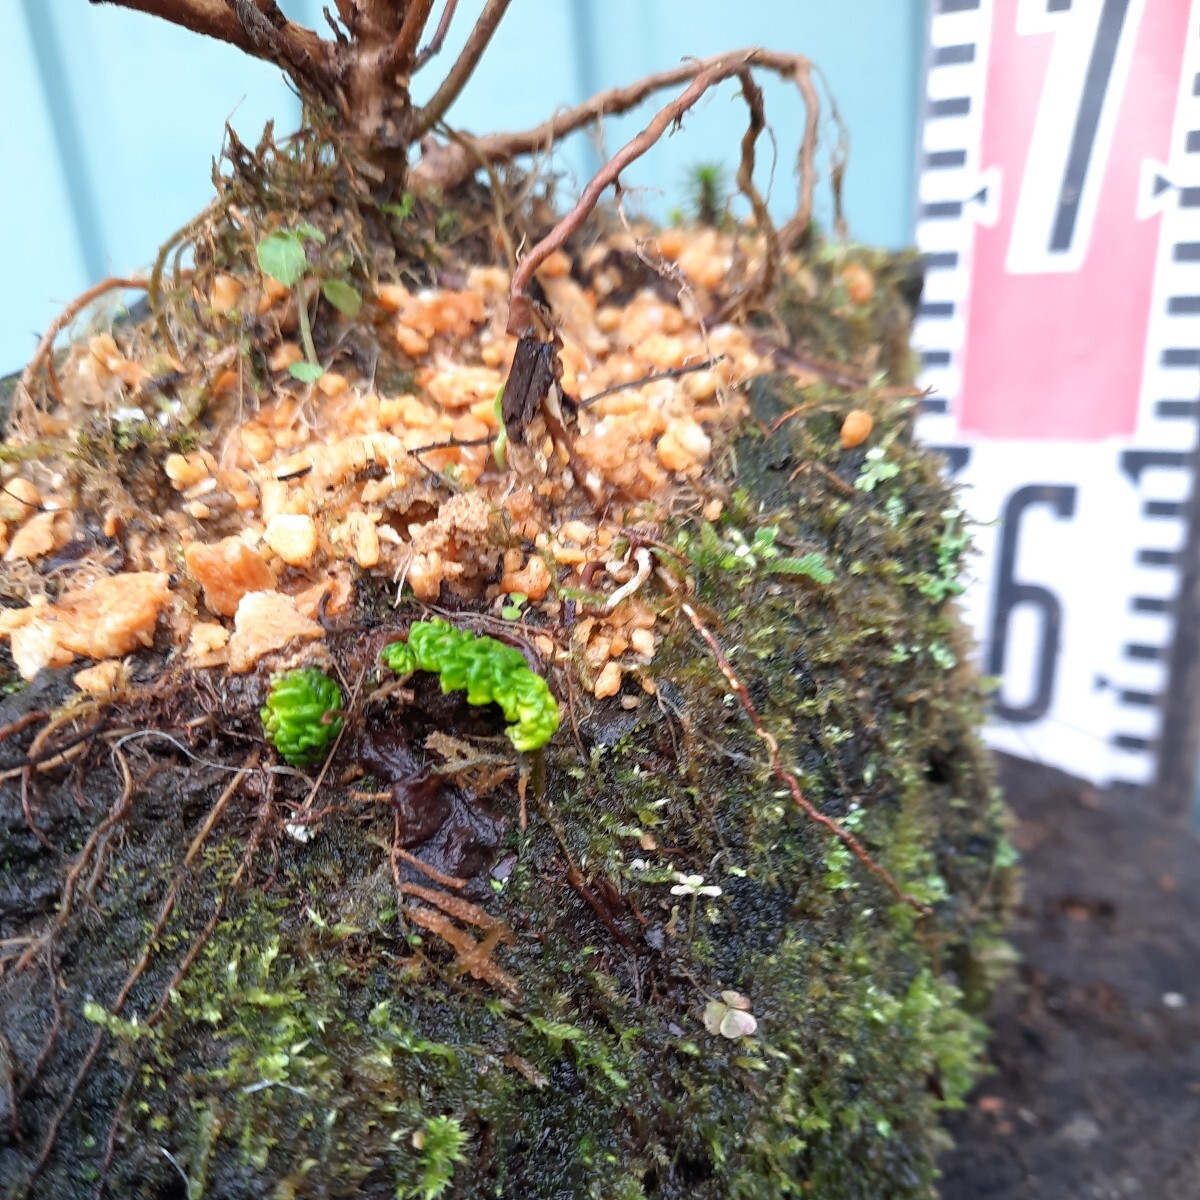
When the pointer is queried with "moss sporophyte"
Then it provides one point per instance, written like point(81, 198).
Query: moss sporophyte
point(300, 718)
point(487, 670)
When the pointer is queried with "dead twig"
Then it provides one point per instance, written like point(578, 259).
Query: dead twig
point(139, 968)
point(439, 36)
point(761, 285)
point(789, 781)
point(424, 119)
point(46, 346)
point(404, 49)
point(115, 814)
point(260, 827)
point(703, 75)
point(258, 29)
point(433, 873)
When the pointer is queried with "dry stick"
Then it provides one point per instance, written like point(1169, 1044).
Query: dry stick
point(520, 317)
point(110, 1143)
point(64, 318)
point(673, 373)
point(306, 807)
point(115, 814)
point(404, 49)
point(164, 915)
point(299, 50)
point(226, 20)
point(439, 36)
point(22, 722)
point(761, 284)
point(154, 287)
point(52, 1036)
point(437, 876)
point(802, 802)
point(447, 171)
point(424, 119)
point(201, 941)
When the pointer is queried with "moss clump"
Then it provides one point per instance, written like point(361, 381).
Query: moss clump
point(334, 1033)
point(300, 716)
point(487, 670)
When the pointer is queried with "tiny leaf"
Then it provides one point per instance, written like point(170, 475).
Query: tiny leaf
point(812, 565)
point(306, 372)
point(342, 296)
point(282, 257)
point(305, 230)
point(401, 210)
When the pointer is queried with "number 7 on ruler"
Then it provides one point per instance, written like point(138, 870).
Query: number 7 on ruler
point(1077, 99)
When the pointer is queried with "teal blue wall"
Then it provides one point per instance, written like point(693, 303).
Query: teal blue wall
point(112, 119)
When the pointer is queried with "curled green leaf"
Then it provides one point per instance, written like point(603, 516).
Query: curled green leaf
point(487, 670)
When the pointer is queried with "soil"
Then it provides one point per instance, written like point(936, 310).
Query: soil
point(1095, 1093)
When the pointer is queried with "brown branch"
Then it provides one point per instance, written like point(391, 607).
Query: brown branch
point(424, 119)
point(225, 21)
point(404, 50)
point(451, 168)
point(760, 285)
point(802, 802)
point(439, 36)
point(703, 75)
point(64, 318)
point(272, 36)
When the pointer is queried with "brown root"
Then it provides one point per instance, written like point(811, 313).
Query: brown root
point(703, 75)
point(787, 779)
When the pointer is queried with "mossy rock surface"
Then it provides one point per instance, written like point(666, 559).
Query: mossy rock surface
point(298, 1034)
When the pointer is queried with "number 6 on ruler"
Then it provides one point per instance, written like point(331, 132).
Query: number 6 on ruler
point(1010, 593)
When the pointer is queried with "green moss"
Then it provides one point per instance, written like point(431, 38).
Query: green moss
point(487, 670)
point(300, 716)
point(322, 1044)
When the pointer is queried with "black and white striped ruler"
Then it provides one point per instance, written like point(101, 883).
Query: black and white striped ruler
point(1059, 216)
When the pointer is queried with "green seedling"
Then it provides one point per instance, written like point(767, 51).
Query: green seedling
point(487, 670)
point(301, 718)
point(282, 256)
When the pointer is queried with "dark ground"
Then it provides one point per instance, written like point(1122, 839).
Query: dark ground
point(1096, 1052)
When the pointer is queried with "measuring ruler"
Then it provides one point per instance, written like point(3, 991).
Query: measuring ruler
point(1059, 216)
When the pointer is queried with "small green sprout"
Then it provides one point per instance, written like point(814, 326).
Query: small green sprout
point(875, 470)
point(512, 610)
point(296, 717)
point(500, 445)
point(401, 211)
point(440, 1143)
point(282, 256)
point(489, 672)
point(951, 543)
point(709, 185)
point(760, 554)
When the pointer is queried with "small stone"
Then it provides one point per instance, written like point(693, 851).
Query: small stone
point(42, 534)
point(856, 428)
point(266, 621)
point(18, 500)
point(293, 537)
point(532, 580)
point(608, 683)
point(101, 679)
point(860, 283)
point(225, 294)
point(227, 570)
